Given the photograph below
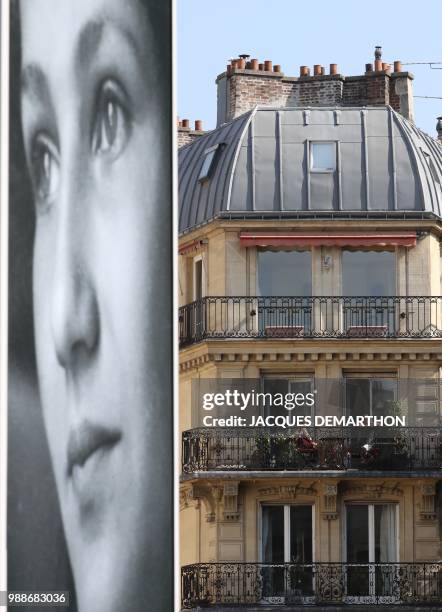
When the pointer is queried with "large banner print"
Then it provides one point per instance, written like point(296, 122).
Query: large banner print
point(90, 425)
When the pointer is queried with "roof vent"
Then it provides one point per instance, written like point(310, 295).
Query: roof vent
point(439, 128)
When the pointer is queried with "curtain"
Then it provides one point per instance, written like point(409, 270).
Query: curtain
point(387, 535)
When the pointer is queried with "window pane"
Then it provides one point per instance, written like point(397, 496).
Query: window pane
point(198, 270)
point(284, 273)
point(301, 541)
point(368, 273)
point(357, 534)
point(304, 387)
point(323, 156)
point(383, 395)
point(357, 396)
point(207, 165)
point(273, 534)
point(273, 386)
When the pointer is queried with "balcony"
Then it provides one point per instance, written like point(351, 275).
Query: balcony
point(310, 317)
point(303, 584)
point(327, 448)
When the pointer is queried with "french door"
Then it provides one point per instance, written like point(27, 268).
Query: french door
point(371, 550)
point(287, 553)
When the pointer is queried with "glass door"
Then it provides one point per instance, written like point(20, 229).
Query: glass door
point(287, 553)
point(284, 285)
point(371, 552)
point(373, 395)
point(369, 287)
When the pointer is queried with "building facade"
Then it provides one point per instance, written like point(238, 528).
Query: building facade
point(310, 263)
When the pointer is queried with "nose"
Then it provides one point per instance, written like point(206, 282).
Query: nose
point(75, 318)
point(75, 314)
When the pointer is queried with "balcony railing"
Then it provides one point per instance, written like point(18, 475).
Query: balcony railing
point(251, 584)
point(327, 448)
point(310, 317)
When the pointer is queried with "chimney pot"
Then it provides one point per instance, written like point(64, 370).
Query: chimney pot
point(276, 68)
point(368, 67)
point(322, 70)
point(317, 69)
point(198, 125)
point(303, 71)
point(333, 68)
point(378, 65)
point(385, 66)
point(397, 66)
point(241, 64)
point(254, 64)
point(378, 52)
point(261, 67)
point(248, 65)
point(268, 65)
point(185, 123)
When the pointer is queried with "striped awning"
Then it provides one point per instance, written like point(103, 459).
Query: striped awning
point(347, 239)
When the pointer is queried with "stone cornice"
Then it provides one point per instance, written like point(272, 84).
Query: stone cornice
point(285, 353)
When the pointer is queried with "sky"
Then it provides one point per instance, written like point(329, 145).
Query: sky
point(293, 33)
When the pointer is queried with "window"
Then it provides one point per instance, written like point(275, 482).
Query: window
point(323, 156)
point(368, 273)
point(208, 164)
point(197, 278)
point(289, 384)
point(370, 538)
point(283, 273)
point(287, 537)
point(370, 396)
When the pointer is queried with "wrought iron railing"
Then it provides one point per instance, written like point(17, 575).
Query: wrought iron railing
point(327, 448)
point(249, 584)
point(310, 317)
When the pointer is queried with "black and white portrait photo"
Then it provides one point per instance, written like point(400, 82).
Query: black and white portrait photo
point(90, 425)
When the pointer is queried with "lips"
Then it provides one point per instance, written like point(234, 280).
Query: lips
point(85, 440)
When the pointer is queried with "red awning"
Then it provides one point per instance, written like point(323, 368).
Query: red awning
point(353, 239)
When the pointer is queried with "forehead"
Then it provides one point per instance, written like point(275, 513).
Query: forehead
point(54, 31)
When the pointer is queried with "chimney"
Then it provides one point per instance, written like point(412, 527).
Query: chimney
point(439, 129)
point(401, 91)
point(186, 134)
point(249, 82)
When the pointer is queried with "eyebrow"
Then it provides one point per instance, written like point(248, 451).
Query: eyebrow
point(34, 81)
point(33, 78)
point(92, 34)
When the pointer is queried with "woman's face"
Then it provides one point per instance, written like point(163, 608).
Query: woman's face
point(91, 130)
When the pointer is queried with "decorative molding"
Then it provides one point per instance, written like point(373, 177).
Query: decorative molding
point(428, 502)
point(330, 501)
point(230, 494)
point(371, 491)
point(283, 355)
point(288, 491)
point(208, 495)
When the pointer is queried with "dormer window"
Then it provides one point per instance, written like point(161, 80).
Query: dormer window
point(208, 164)
point(323, 156)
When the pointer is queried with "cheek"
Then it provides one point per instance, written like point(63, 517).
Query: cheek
point(49, 373)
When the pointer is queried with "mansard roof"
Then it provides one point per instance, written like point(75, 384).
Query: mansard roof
point(384, 164)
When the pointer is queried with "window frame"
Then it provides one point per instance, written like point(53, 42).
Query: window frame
point(213, 151)
point(371, 526)
point(286, 507)
point(314, 170)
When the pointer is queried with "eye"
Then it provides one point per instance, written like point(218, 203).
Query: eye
point(111, 126)
point(45, 171)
